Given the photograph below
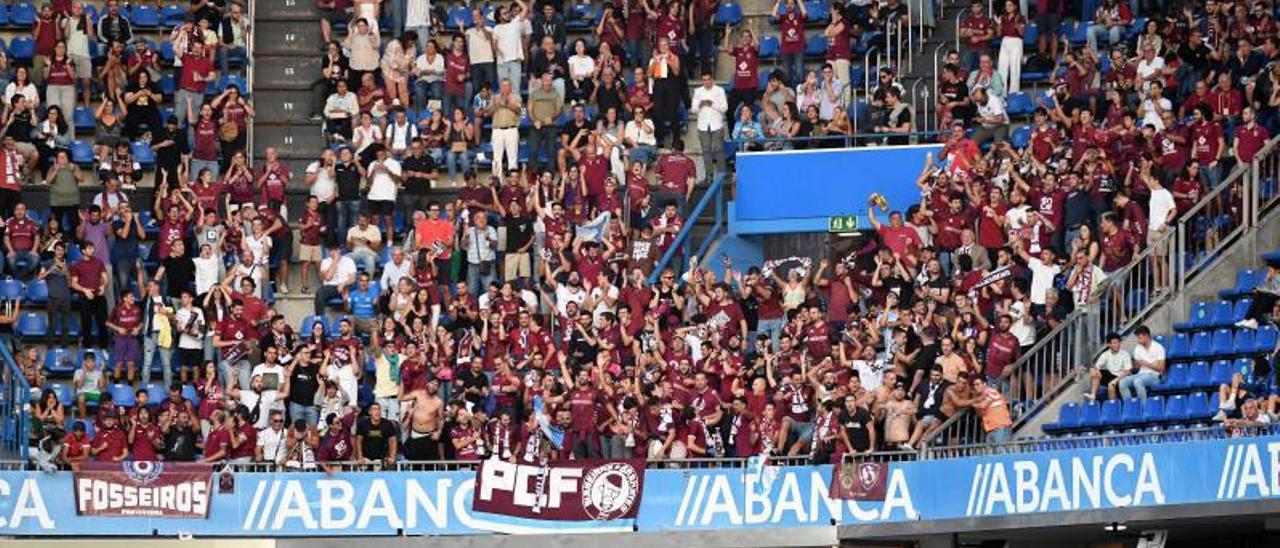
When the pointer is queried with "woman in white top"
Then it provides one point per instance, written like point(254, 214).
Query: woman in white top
point(320, 178)
point(611, 131)
point(22, 84)
point(397, 63)
point(582, 69)
point(399, 133)
point(369, 10)
point(429, 68)
point(367, 133)
point(208, 270)
point(259, 243)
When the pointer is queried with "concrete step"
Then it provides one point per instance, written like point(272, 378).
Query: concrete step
point(293, 141)
point(287, 10)
point(282, 107)
point(286, 73)
point(284, 38)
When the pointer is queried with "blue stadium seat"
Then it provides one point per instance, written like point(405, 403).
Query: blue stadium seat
point(1175, 379)
point(60, 361)
point(1090, 414)
point(1175, 408)
point(31, 324)
point(334, 326)
point(83, 120)
point(1179, 348)
point(22, 49)
point(1240, 310)
point(172, 16)
point(1222, 313)
point(817, 10)
point(1221, 373)
point(1198, 319)
point(1222, 342)
point(1131, 412)
point(1202, 345)
point(1198, 406)
point(4, 14)
point(1246, 281)
point(1242, 344)
point(1019, 104)
point(22, 14)
point(1068, 418)
point(64, 393)
point(167, 56)
point(11, 289)
point(769, 47)
point(1153, 410)
point(233, 80)
point(1110, 414)
point(1021, 137)
point(1265, 339)
point(1244, 367)
point(729, 13)
point(122, 395)
point(103, 359)
point(143, 16)
point(457, 16)
point(81, 155)
point(816, 46)
point(190, 394)
point(142, 153)
point(156, 393)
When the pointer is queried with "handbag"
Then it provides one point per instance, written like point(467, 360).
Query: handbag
point(228, 131)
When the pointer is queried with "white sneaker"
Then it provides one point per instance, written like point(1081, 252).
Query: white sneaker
point(284, 289)
point(1090, 396)
point(1221, 416)
point(1248, 323)
point(1227, 406)
point(906, 447)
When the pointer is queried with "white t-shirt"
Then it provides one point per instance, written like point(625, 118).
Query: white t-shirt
point(272, 442)
point(266, 402)
point(430, 70)
point(1161, 205)
point(1148, 354)
point(345, 273)
point(1149, 115)
point(1147, 68)
point(272, 374)
point(1041, 278)
point(206, 273)
point(383, 187)
point(510, 48)
point(581, 66)
point(183, 317)
point(324, 188)
point(479, 50)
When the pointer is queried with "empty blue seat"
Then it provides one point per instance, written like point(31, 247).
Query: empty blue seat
point(1265, 339)
point(31, 324)
point(769, 47)
point(1175, 379)
point(190, 394)
point(1242, 344)
point(1198, 319)
point(81, 155)
point(82, 118)
point(1222, 314)
point(1198, 375)
point(4, 14)
point(729, 13)
point(1110, 414)
point(1021, 137)
point(22, 49)
point(156, 393)
point(1198, 406)
point(1019, 104)
point(11, 289)
point(1202, 345)
point(22, 14)
point(1240, 310)
point(1222, 342)
point(1221, 373)
point(1068, 418)
point(1179, 347)
point(1153, 410)
point(142, 153)
point(144, 16)
point(1175, 408)
point(816, 46)
point(1090, 414)
point(1246, 281)
point(1131, 413)
point(122, 395)
point(172, 16)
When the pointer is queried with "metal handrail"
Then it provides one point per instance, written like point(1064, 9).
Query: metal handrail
point(820, 138)
point(1093, 441)
point(249, 64)
point(15, 406)
point(713, 197)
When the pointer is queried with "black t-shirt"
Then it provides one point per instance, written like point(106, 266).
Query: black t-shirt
point(169, 157)
point(347, 177)
point(418, 185)
point(181, 272)
point(377, 438)
point(304, 382)
point(571, 127)
point(925, 358)
point(856, 425)
point(467, 378)
point(519, 232)
point(611, 97)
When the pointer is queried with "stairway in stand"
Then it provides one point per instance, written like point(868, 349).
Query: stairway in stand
point(287, 55)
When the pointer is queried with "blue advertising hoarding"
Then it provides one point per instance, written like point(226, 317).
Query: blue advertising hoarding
point(439, 503)
point(800, 190)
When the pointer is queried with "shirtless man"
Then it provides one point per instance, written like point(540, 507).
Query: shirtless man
point(426, 418)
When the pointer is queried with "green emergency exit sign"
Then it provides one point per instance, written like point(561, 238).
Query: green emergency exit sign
point(842, 223)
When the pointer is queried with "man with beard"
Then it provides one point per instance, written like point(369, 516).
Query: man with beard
point(426, 419)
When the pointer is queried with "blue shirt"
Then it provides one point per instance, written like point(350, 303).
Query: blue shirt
point(363, 302)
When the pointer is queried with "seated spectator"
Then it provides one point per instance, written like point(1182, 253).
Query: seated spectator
point(1112, 365)
point(1148, 366)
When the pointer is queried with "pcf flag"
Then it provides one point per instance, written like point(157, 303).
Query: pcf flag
point(578, 490)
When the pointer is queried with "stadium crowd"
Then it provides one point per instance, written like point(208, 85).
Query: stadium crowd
point(514, 316)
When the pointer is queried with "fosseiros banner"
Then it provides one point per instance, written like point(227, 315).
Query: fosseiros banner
point(580, 490)
point(143, 489)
